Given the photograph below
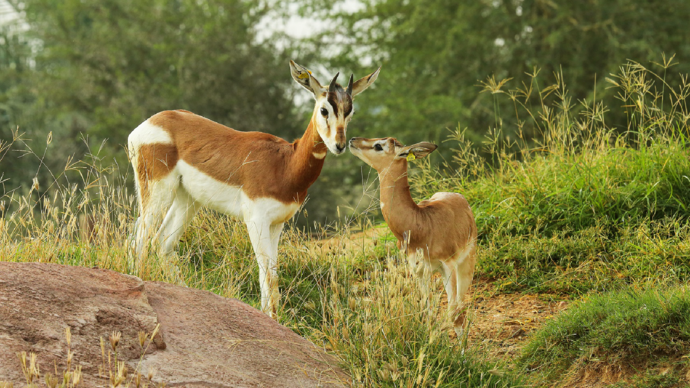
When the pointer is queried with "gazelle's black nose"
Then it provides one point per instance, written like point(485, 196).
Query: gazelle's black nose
point(340, 149)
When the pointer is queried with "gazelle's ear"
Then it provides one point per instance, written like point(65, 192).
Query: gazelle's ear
point(364, 83)
point(305, 79)
point(416, 151)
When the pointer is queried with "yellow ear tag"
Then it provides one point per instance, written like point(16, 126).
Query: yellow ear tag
point(304, 75)
point(410, 156)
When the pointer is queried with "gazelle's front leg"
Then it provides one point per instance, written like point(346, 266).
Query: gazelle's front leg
point(264, 238)
point(450, 283)
point(422, 271)
point(464, 272)
point(274, 298)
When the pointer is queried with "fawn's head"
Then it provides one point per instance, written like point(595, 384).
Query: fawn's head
point(381, 153)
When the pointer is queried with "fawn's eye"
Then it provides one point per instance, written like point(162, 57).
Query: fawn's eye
point(324, 112)
point(378, 147)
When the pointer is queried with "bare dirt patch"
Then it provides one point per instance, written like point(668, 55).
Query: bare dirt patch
point(499, 323)
point(502, 323)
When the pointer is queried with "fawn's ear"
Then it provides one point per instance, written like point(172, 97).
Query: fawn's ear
point(416, 151)
point(305, 79)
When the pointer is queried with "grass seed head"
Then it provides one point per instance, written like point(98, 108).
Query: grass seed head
point(115, 340)
point(142, 338)
point(76, 377)
point(51, 381)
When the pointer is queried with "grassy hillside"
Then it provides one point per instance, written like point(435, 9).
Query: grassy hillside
point(589, 214)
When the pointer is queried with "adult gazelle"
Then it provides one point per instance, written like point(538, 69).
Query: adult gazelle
point(184, 162)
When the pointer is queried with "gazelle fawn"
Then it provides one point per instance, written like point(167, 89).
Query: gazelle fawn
point(436, 235)
point(183, 162)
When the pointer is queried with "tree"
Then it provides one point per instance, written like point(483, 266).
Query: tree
point(103, 67)
point(435, 53)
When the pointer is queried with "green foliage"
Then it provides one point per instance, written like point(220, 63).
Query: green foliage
point(607, 188)
point(616, 327)
point(586, 208)
point(100, 68)
point(118, 62)
point(435, 52)
point(89, 71)
point(587, 261)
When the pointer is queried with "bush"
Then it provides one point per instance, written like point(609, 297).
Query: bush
point(622, 326)
point(588, 207)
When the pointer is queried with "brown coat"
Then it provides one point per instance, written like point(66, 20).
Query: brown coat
point(441, 226)
point(290, 168)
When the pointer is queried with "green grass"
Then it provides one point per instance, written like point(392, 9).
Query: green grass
point(631, 327)
point(584, 212)
point(559, 193)
point(657, 252)
point(360, 305)
point(587, 207)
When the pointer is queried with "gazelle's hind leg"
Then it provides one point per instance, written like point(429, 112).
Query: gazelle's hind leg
point(159, 198)
point(154, 158)
point(181, 213)
point(464, 272)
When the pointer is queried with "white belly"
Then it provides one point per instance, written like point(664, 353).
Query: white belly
point(232, 200)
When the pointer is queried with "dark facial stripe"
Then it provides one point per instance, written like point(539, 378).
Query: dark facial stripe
point(340, 99)
point(334, 103)
point(348, 107)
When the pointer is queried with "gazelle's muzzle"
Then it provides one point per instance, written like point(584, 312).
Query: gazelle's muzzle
point(340, 140)
point(356, 142)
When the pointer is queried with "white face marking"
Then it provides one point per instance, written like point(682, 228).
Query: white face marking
point(382, 205)
point(369, 154)
point(383, 144)
point(327, 126)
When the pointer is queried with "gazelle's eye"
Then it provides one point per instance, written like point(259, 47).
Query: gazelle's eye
point(324, 112)
point(378, 147)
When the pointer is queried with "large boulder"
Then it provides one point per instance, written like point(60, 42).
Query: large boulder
point(205, 340)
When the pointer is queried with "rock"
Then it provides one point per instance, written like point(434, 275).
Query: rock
point(205, 340)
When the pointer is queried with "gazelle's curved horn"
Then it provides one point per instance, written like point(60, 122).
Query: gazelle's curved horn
point(349, 85)
point(331, 87)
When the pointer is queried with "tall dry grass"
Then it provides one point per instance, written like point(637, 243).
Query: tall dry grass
point(355, 300)
point(582, 208)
